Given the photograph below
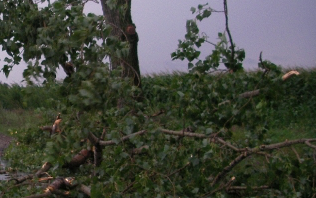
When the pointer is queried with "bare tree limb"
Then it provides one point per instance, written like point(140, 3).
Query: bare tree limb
point(182, 133)
point(227, 185)
point(78, 159)
point(249, 94)
point(286, 143)
point(230, 167)
point(139, 150)
point(46, 166)
point(92, 138)
point(220, 140)
point(85, 189)
point(232, 46)
point(310, 145)
point(111, 142)
point(289, 74)
point(296, 154)
point(234, 188)
point(176, 171)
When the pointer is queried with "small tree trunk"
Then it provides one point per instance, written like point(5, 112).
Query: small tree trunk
point(123, 28)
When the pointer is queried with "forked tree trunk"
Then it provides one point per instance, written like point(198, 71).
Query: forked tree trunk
point(123, 28)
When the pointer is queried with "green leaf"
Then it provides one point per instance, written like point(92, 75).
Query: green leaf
point(190, 65)
point(193, 9)
point(206, 13)
point(58, 5)
point(180, 94)
point(195, 190)
point(209, 131)
point(85, 93)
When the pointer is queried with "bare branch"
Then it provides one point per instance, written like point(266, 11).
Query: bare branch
point(85, 189)
point(182, 133)
point(139, 150)
point(92, 138)
point(227, 185)
point(249, 94)
point(289, 74)
point(286, 143)
point(111, 142)
point(230, 167)
point(176, 171)
point(296, 154)
point(44, 168)
point(227, 144)
point(229, 34)
point(234, 188)
point(310, 145)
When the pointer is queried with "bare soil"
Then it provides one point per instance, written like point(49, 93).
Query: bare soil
point(4, 142)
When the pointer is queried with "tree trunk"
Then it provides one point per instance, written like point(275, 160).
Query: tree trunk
point(123, 28)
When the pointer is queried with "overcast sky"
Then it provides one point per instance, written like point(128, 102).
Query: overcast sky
point(285, 30)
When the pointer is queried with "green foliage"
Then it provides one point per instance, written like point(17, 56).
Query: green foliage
point(29, 97)
point(175, 166)
point(189, 48)
point(96, 99)
point(50, 36)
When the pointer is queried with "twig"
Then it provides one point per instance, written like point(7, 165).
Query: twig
point(111, 142)
point(139, 150)
point(310, 145)
point(289, 74)
point(229, 34)
point(182, 133)
point(176, 171)
point(128, 187)
point(266, 70)
point(296, 154)
point(46, 166)
point(227, 185)
point(249, 94)
point(227, 144)
point(232, 188)
point(230, 167)
point(286, 143)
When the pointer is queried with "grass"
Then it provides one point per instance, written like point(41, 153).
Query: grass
point(18, 119)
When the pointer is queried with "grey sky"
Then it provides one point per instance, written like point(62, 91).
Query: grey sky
point(284, 30)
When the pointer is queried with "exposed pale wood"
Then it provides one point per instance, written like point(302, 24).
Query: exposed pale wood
point(85, 189)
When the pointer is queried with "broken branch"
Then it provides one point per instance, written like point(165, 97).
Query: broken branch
point(111, 142)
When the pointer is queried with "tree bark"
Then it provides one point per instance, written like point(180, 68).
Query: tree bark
point(123, 28)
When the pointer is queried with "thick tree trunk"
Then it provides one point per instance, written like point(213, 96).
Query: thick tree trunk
point(123, 28)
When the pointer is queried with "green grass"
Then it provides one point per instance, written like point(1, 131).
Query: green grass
point(18, 119)
point(283, 134)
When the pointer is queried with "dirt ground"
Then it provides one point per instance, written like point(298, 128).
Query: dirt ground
point(4, 142)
